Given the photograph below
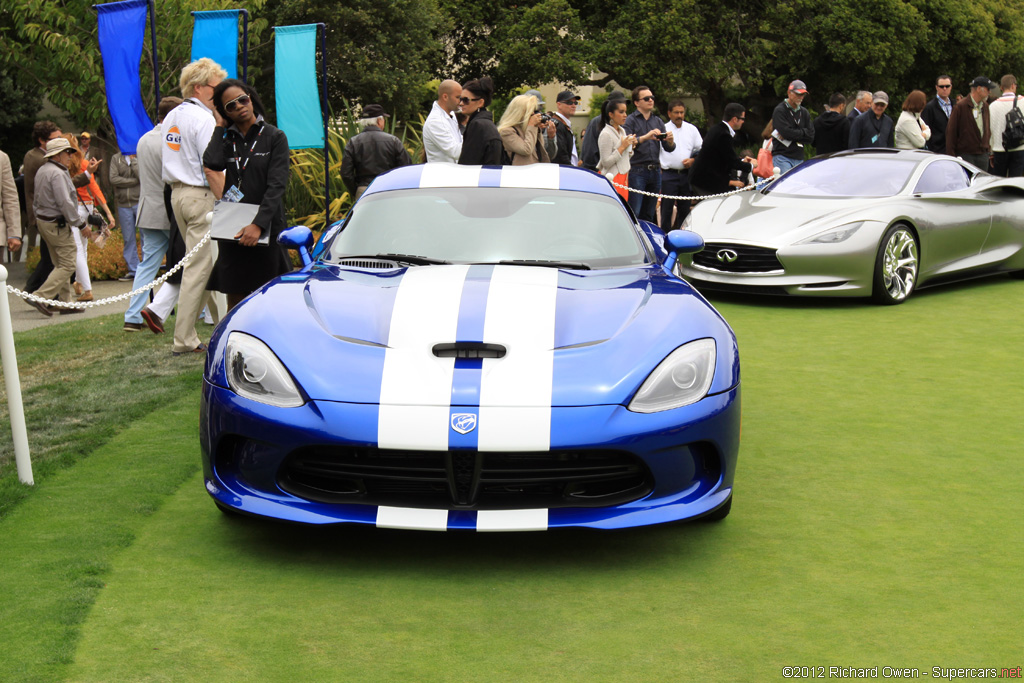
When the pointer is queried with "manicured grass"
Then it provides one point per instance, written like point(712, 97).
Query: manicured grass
point(82, 382)
point(877, 522)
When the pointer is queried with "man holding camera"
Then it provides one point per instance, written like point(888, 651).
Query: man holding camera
point(56, 207)
point(645, 166)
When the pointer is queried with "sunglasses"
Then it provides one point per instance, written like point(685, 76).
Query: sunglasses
point(467, 100)
point(240, 101)
point(649, 98)
point(944, 86)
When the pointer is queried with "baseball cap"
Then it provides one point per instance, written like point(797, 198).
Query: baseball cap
point(536, 93)
point(880, 96)
point(374, 111)
point(799, 87)
point(982, 82)
point(567, 96)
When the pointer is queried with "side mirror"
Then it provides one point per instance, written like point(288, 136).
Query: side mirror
point(681, 242)
point(298, 237)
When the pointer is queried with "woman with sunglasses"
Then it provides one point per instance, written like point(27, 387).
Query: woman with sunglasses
point(481, 143)
point(254, 157)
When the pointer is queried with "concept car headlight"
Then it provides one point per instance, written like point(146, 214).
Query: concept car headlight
point(684, 377)
point(833, 235)
point(254, 372)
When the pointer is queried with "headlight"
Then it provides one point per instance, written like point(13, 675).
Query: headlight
point(679, 380)
point(255, 372)
point(833, 235)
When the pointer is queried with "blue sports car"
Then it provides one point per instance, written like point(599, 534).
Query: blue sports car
point(488, 348)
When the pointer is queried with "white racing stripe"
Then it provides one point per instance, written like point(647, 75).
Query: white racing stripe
point(543, 176)
point(449, 175)
point(512, 520)
point(416, 386)
point(515, 391)
point(412, 518)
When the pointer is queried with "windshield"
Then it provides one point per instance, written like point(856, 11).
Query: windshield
point(491, 225)
point(845, 177)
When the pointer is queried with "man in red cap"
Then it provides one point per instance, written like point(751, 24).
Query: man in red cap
point(793, 128)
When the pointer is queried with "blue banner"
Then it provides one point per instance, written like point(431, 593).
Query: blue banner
point(298, 98)
point(215, 35)
point(122, 28)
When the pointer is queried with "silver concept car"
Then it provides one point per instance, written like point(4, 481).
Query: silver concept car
point(879, 223)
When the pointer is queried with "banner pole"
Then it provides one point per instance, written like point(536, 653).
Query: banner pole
point(15, 406)
point(245, 45)
point(322, 29)
point(156, 61)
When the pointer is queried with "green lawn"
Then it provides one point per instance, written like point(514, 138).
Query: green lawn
point(877, 522)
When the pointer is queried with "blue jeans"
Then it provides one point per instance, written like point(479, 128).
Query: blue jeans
point(126, 217)
point(650, 181)
point(154, 246)
point(785, 163)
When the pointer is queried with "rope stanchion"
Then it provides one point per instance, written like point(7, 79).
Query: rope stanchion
point(53, 303)
point(752, 186)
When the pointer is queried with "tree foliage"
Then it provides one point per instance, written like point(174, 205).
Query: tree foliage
point(377, 52)
point(59, 52)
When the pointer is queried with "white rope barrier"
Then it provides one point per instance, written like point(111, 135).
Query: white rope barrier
point(752, 186)
point(53, 303)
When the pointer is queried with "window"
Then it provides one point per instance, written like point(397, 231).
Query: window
point(943, 176)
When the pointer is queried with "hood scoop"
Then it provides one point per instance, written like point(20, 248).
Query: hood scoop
point(469, 350)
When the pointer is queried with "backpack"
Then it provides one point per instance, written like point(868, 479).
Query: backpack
point(1013, 136)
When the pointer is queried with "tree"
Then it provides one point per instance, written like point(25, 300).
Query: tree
point(60, 53)
point(377, 52)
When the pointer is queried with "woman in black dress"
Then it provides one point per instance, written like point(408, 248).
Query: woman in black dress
point(254, 156)
point(481, 143)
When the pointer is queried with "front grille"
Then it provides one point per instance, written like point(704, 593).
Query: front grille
point(748, 259)
point(465, 479)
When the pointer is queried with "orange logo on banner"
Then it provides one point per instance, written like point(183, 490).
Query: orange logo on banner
point(173, 138)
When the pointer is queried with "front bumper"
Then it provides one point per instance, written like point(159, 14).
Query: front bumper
point(690, 454)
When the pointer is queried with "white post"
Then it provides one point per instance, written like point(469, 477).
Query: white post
point(13, 384)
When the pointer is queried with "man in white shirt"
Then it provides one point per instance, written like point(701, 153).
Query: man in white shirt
point(187, 131)
point(1006, 163)
point(442, 140)
point(153, 223)
point(675, 165)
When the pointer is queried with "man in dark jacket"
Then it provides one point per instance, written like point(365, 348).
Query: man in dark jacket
point(873, 128)
point(371, 153)
point(969, 132)
point(566, 105)
point(832, 129)
point(793, 128)
point(936, 114)
point(713, 171)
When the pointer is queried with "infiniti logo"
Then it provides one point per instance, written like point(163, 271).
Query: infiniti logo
point(726, 255)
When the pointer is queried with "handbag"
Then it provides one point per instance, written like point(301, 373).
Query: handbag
point(765, 168)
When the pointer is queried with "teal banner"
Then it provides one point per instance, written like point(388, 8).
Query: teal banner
point(297, 96)
point(215, 35)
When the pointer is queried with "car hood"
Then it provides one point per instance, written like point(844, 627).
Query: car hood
point(771, 220)
point(594, 336)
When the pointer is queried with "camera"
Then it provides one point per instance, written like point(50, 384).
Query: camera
point(95, 220)
point(544, 118)
point(661, 136)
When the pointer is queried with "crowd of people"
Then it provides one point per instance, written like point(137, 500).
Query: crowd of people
point(215, 144)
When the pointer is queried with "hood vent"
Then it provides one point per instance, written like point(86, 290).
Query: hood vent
point(469, 350)
point(367, 263)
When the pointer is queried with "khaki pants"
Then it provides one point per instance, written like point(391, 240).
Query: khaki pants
point(63, 252)
point(190, 205)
